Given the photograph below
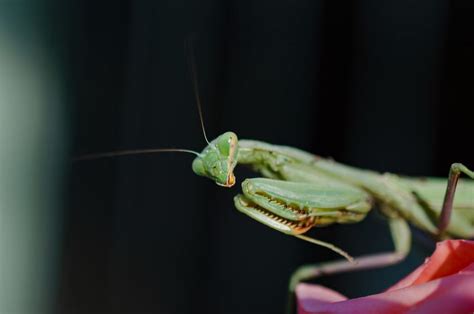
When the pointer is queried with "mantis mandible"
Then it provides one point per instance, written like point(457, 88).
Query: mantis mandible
point(300, 190)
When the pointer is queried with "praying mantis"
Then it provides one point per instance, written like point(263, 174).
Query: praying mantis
point(299, 191)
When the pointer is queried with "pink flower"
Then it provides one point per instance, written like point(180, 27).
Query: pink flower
point(443, 284)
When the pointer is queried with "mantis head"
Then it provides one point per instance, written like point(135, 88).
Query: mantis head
point(217, 161)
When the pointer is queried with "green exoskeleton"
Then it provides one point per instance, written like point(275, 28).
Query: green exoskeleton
point(301, 191)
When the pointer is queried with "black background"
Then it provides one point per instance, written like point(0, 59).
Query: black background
point(385, 85)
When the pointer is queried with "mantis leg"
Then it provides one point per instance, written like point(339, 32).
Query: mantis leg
point(402, 241)
point(454, 173)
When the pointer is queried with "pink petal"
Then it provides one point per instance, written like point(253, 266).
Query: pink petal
point(450, 257)
point(450, 294)
point(317, 295)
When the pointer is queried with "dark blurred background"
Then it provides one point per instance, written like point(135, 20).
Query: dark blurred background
point(386, 85)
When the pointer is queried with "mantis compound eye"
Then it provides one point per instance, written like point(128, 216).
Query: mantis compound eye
point(198, 167)
point(227, 144)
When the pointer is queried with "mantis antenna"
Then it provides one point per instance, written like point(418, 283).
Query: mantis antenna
point(327, 245)
point(192, 63)
point(134, 152)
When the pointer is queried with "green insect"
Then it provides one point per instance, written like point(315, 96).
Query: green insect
point(300, 191)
